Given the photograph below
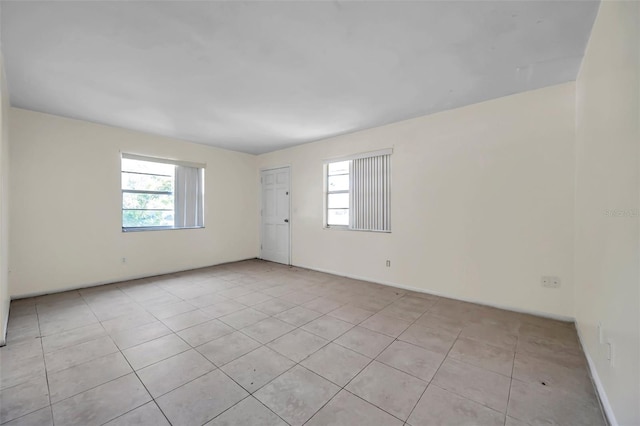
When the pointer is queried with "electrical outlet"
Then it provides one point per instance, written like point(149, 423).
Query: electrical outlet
point(388, 263)
point(124, 260)
point(550, 281)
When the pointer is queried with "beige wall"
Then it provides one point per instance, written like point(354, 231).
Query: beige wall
point(607, 246)
point(482, 203)
point(4, 205)
point(66, 208)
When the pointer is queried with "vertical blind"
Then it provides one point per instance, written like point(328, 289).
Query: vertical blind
point(189, 210)
point(370, 195)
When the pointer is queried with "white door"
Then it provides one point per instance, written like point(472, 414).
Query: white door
point(275, 215)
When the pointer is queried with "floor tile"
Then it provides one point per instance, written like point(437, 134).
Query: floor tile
point(227, 348)
point(160, 305)
point(267, 330)
point(186, 320)
point(452, 325)
point(298, 344)
point(223, 308)
point(205, 332)
point(235, 292)
point(82, 377)
point(19, 369)
point(292, 311)
point(438, 407)
point(248, 412)
point(351, 314)
point(67, 322)
point(323, 305)
point(514, 422)
point(411, 359)
point(328, 327)
point(101, 404)
point(401, 312)
point(201, 400)
point(491, 335)
point(19, 350)
point(390, 389)
point(297, 395)
point(167, 375)
point(537, 369)
point(336, 363)
point(273, 306)
point(72, 337)
point(42, 417)
point(480, 385)
point(243, 318)
point(364, 341)
point(135, 336)
point(298, 297)
point(253, 298)
point(257, 368)
point(346, 409)
point(24, 398)
point(483, 355)
point(156, 350)
point(128, 321)
point(206, 300)
point(433, 339)
point(78, 354)
point(148, 414)
point(567, 356)
point(540, 405)
point(298, 316)
point(386, 325)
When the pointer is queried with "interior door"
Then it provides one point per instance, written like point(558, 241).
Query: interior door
point(275, 215)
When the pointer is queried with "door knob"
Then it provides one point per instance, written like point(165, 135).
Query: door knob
point(286, 220)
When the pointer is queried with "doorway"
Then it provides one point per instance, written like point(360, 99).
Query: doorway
point(275, 225)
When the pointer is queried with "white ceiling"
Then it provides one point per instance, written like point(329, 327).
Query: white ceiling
point(260, 76)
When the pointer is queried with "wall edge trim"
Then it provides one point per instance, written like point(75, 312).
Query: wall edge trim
point(119, 280)
point(434, 293)
point(605, 405)
point(5, 325)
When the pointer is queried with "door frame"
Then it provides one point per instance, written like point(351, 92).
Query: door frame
point(266, 169)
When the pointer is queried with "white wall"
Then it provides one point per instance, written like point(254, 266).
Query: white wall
point(4, 205)
point(607, 178)
point(66, 206)
point(482, 203)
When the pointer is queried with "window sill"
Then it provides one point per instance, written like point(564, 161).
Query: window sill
point(158, 228)
point(346, 228)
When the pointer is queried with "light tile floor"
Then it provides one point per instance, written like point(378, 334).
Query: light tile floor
point(257, 343)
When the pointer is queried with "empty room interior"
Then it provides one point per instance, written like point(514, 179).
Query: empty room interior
point(315, 213)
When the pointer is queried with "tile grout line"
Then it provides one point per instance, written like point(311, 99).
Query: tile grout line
point(438, 369)
point(513, 367)
point(371, 362)
point(44, 360)
point(126, 360)
point(299, 363)
point(321, 292)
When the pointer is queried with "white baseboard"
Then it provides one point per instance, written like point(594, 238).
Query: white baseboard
point(5, 324)
point(605, 405)
point(119, 280)
point(449, 296)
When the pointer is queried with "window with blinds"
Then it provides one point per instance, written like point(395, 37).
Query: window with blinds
point(161, 194)
point(358, 192)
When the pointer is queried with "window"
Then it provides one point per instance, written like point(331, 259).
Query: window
point(161, 194)
point(358, 191)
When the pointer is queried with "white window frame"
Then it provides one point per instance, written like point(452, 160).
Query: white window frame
point(326, 190)
point(123, 155)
